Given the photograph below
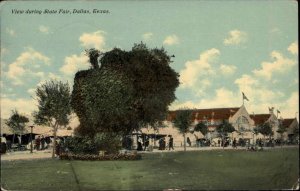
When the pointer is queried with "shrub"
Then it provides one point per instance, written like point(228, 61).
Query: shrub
point(109, 142)
point(68, 156)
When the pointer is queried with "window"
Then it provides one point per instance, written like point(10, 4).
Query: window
point(242, 120)
point(243, 123)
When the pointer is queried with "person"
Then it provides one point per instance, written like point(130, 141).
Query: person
point(234, 143)
point(8, 143)
point(43, 141)
point(38, 143)
point(146, 144)
point(188, 141)
point(160, 144)
point(139, 147)
point(171, 143)
point(164, 144)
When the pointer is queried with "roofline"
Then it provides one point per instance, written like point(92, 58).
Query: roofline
point(207, 108)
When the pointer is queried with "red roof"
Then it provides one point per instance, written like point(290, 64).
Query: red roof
point(260, 118)
point(287, 122)
point(208, 114)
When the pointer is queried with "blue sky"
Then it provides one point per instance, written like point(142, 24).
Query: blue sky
point(221, 48)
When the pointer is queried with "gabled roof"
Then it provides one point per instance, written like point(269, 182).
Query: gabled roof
point(287, 122)
point(208, 114)
point(260, 118)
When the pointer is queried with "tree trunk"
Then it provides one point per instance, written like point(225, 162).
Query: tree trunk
point(13, 141)
point(54, 140)
point(184, 142)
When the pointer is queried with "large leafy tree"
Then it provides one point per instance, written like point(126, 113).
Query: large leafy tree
point(183, 121)
point(202, 128)
point(53, 106)
point(17, 123)
point(124, 90)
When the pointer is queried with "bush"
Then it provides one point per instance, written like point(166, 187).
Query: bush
point(68, 156)
point(109, 142)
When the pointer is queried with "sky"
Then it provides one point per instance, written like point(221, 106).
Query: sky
point(221, 48)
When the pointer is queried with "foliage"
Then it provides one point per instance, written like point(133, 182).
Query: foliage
point(108, 142)
point(202, 128)
point(225, 127)
point(256, 130)
point(127, 90)
point(53, 106)
point(296, 133)
point(265, 129)
point(281, 129)
point(66, 156)
point(17, 122)
point(182, 122)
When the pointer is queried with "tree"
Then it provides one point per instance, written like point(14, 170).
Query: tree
point(202, 128)
point(126, 90)
point(182, 122)
point(224, 128)
point(281, 129)
point(53, 106)
point(265, 129)
point(17, 123)
point(256, 131)
point(296, 133)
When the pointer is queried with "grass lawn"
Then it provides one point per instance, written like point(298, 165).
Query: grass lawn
point(269, 169)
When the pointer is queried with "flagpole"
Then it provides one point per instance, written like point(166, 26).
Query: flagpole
point(243, 99)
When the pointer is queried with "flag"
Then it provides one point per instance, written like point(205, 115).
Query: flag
point(244, 97)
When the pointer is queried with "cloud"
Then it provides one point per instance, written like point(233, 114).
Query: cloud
point(74, 63)
point(280, 64)
point(227, 69)
point(235, 37)
point(11, 32)
point(26, 106)
point(147, 36)
point(293, 48)
point(222, 98)
point(198, 68)
point(93, 40)
point(26, 65)
point(171, 40)
point(44, 29)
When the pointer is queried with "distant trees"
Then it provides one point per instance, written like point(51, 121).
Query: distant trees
point(265, 129)
point(53, 106)
point(182, 122)
point(224, 128)
point(281, 129)
point(17, 123)
point(295, 133)
point(124, 90)
point(202, 128)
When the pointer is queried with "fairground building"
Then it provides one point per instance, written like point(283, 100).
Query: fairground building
point(238, 117)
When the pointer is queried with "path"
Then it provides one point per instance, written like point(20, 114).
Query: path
point(26, 155)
